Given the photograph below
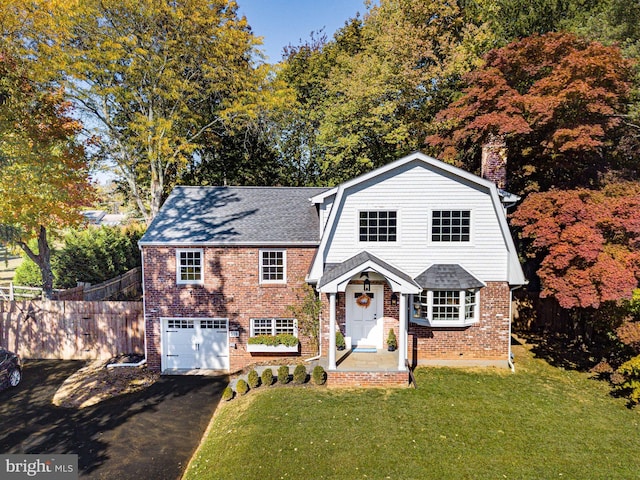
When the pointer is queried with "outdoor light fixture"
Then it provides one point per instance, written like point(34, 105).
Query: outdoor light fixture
point(394, 299)
point(367, 282)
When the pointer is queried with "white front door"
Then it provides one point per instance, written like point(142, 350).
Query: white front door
point(364, 317)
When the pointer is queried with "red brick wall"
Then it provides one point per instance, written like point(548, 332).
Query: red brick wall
point(231, 290)
point(367, 379)
point(486, 340)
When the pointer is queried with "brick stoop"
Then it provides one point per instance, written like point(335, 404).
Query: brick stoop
point(367, 379)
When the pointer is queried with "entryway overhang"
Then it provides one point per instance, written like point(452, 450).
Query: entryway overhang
point(336, 278)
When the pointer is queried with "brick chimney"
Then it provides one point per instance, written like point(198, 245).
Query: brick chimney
point(494, 161)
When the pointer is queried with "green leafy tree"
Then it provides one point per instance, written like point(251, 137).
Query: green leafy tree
point(44, 177)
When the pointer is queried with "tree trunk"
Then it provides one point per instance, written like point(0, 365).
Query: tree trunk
point(42, 260)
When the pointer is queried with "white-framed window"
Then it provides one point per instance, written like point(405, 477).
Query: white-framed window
point(273, 266)
point(189, 266)
point(378, 226)
point(273, 326)
point(447, 307)
point(451, 226)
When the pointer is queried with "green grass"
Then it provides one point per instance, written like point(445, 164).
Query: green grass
point(539, 423)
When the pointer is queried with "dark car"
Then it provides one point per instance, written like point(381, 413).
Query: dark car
point(10, 369)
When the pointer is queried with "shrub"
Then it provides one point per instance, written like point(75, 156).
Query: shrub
point(628, 381)
point(340, 344)
point(299, 374)
point(392, 341)
point(319, 375)
point(242, 387)
point(253, 379)
point(272, 340)
point(227, 393)
point(267, 377)
point(283, 374)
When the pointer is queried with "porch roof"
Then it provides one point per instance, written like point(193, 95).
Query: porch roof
point(336, 276)
point(447, 277)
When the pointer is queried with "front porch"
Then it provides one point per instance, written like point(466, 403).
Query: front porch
point(353, 361)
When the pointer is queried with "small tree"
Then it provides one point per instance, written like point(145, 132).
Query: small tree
point(319, 376)
point(307, 312)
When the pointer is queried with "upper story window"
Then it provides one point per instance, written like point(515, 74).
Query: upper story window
point(451, 226)
point(273, 266)
point(378, 226)
point(189, 266)
point(447, 307)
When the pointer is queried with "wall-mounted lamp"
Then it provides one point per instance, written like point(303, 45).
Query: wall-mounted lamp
point(394, 299)
point(367, 282)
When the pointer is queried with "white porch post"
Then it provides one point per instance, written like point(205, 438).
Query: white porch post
point(402, 333)
point(332, 331)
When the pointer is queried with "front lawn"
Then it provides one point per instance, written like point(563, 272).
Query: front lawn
point(540, 423)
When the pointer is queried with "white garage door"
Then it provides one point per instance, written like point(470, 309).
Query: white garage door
point(195, 343)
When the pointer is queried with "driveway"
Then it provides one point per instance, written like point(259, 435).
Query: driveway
point(145, 435)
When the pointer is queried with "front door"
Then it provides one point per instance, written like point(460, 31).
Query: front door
point(364, 316)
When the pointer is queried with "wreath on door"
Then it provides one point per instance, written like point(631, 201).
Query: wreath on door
point(363, 300)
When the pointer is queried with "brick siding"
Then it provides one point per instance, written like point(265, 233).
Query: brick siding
point(231, 290)
point(367, 379)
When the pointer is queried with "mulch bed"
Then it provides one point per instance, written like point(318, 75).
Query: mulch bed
point(95, 382)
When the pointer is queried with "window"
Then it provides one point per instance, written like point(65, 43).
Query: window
point(189, 266)
point(273, 326)
point(273, 266)
point(378, 226)
point(446, 307)
point(179, 323)
point(451, 226)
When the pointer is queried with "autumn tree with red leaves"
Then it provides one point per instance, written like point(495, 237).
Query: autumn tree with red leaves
point(586, 242)
point(556, 98)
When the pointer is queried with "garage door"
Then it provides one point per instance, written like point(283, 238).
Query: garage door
point(195, 343)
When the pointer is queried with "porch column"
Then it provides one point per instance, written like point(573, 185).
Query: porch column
point(332, 331)
point(402, 333)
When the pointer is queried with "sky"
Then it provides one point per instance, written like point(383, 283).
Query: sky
point(284, 22)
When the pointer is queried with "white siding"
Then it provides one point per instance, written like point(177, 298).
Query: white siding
point(414, 191)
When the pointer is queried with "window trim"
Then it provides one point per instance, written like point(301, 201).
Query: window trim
point(273, 327)
point(379, 242)
point(179, 279)
point(450, 242)
point(461, 321)
point(264, 281)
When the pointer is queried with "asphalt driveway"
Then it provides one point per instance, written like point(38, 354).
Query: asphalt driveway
point(145, 435)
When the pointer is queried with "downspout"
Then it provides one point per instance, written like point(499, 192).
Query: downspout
point(510, 357)
point(319, 341)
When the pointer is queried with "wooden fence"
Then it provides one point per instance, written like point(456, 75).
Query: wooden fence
point(70, 330)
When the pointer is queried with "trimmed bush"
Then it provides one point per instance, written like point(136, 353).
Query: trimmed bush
point(299, 374)
point(340, 343)
point(253, 379)
point(227, 393)
point(283, 374)
point(267, 377)
point(319, 376)
point(242, 387)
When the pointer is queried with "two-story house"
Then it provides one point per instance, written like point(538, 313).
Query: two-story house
point(418, 247)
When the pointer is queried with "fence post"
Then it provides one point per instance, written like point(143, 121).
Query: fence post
point(11, 297)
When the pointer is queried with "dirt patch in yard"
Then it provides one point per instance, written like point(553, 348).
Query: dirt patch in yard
point(95, 382)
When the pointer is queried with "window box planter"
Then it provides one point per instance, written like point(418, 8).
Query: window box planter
point(260, 348)
point(283, 343)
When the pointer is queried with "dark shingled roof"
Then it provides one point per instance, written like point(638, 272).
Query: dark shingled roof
point(447, 277)
point(247, 215)
point(337, 270)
